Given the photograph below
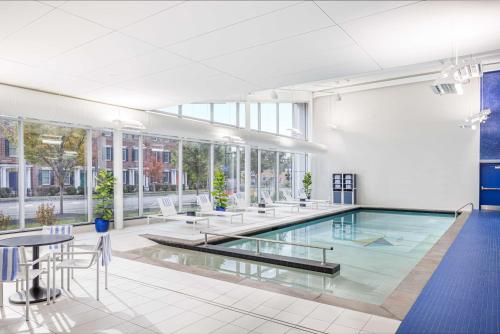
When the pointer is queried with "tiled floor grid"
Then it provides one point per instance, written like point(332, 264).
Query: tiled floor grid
point(148, 299)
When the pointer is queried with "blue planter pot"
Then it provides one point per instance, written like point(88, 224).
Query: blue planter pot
point(220, 208)
point(101, 225)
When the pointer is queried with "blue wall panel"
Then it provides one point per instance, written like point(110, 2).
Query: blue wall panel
point(490, 131)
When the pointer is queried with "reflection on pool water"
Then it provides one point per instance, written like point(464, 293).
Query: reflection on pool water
point(376, 250)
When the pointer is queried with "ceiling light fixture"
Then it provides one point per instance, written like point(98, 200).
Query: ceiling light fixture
point(129, 125)
point(274, 95)
point(294, 132)
point(233, 139)
point(447, 86)
point(51, 139)
point(472, 121)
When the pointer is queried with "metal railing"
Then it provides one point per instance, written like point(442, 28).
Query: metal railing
point(259, 240)
point(463, 207)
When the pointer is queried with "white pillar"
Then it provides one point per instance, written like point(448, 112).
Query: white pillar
point(211, 168)
point(180, 175)
point(140, 177)
point(247, 173)
point(258, 173)
point(276, 179)
point(21, 188)
point(118, 174)
point(238, 169)
point(90, 177)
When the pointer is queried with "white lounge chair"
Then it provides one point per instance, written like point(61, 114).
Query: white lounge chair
point(240, 204)
point(269, 201)
point(287, 194)
point(320, 201)
point(207, 208)
point(168, 212)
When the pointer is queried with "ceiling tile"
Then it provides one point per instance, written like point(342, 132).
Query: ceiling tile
point(14, 15)
point(49, 36)
point(193, 18)
point(31, 77)
point(116, 14)
point(290, 21)
point(319, 48)
point(142, 65)
point(125, 97)
point(98, 53)
point(428, 31)
point(341, 11)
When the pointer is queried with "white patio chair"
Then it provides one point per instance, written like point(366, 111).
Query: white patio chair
point(289, 199)
point(269, 201)
point(15, 267)
point(73, 261)
point(207, 208)
point(240, 204)
point(168, 212)
point(59, 230)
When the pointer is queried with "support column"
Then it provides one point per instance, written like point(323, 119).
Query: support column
point(118, 174)
point(276, 179)
point(140, 178)
point(238, 154)
point(258, 174)
point(248, 156)
point(211, 168)
point(180, 175)
point(89, 177)
point(21, 188)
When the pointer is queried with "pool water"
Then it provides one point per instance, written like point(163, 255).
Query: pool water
point(375, 248)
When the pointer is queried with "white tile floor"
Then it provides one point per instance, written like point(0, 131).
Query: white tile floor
point(143, 298)
point(148, 299)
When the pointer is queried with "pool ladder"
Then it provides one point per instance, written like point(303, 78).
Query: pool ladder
point(259, 240)
point(463, 207)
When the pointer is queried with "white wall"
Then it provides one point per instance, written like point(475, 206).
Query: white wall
point(403, 142)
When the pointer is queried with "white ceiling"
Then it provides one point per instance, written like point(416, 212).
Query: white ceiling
point(151, 54)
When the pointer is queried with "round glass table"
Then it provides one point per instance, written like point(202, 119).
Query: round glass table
point(36, 293)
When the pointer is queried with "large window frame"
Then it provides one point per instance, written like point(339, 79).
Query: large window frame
point(137, 151)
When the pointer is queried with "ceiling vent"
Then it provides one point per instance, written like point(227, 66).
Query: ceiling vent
point(443, 87)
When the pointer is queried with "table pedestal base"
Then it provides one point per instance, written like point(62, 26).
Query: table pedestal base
point(36, 295)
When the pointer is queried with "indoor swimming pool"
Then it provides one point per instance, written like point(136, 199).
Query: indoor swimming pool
point(375, 248)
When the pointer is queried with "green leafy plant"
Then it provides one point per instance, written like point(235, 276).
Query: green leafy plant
point(4, 221)
point(105, 183)
point(307, 183)
point(45, 214)
point(219, 193)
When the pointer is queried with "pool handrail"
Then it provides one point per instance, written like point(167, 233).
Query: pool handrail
point(324, 249)
point(463, 207)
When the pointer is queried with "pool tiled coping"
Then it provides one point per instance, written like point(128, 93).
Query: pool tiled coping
point(395, 306)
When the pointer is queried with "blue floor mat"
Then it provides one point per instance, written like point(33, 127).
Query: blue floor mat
point(463, 294)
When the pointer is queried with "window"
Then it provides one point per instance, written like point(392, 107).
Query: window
point(285, 119)
point(160, 171)
point(285, 176)
point(130, 177)
point(254, 116)
point(225, 160)
point(135, 154)
point(109, 153)
point(242, 115)
point(254, 174)
point(268, 172)
point(225, 113)
point(268, 117)
point(171, 110)
point(195, 164)
point(102, 155)
point(299, 170)
point(300, 119)
point(9, 203)
point(196, 110)
point(242, 169)
point(57, 155)
point(45, 178)
point(166, 157)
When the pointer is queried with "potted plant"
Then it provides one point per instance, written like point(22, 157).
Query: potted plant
point(103, 196)
point(219, 193)
point(307, 183)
